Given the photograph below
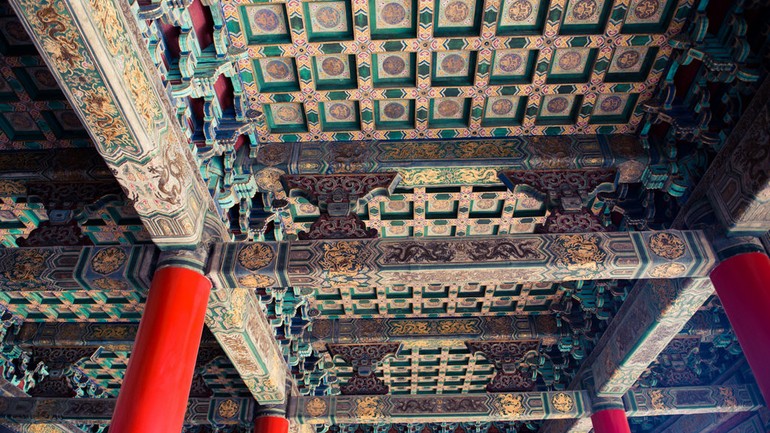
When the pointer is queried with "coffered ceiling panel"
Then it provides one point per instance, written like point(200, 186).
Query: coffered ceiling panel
point(410, 69)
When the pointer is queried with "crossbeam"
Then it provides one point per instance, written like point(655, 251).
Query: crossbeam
point(519, 406)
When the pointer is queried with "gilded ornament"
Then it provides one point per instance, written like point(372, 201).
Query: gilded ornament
point(728, 396)
point(510, 405)
point(563, 402)
point(255, 256)
point(256, 280)
point(668, 270)
point(42, 428)
point(656, 399)
point(269, 179)
point(228, 409)
point(579, 252)
point(108, 260)
point(342, 258)
point(316, 407)
point(12, 187)
point(24, 265)
point(368, 408)
point(110, 284)
point(667, 245)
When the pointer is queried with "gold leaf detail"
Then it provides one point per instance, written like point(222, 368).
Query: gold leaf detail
point(255, 256)
point(667, 245)
point(316, 407)
point(228, 409)
point(108, 260)
point(563, 402)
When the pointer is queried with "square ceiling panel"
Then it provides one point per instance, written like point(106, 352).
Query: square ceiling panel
point(613, 107)
point(393, 19)
point(286, 117)
point(328, 21)
point(374, 52)
point(559, 109)
point(394, 113)
point(449, 112)
point(340, 116)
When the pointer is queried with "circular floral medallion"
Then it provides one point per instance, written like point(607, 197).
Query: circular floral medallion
point(510, 62)
point(228, 409)
point(628, 59)
point(255, 256)
point(557, 105)
point(456, 12)
point(277, 69)
point(339, 111)
point(328, 17)
point(108, 260)
point(448, 108)
point(570, 60)
point(667, 245)
point(646, 9)
point(611, 103)
point(266, 20)
point(393, 65)
point(394, 110)
point(287, 113)
point(316, 407)
point(393, 13)
point(520, 10)
point(502, 107)
point(453, 64)
point(584, 9)
point(333, 66)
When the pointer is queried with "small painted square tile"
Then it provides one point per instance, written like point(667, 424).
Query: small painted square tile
point(277, 69)
point(393, 14)
point(584, 12)
point(520, 12)
point(340, 111)
point(286, 113)
point(328, 17)
point(645, 11)
point(612, 104)
point(394, 110)
point(448, 108)
point(628, 60)
point(556, 105)
point(568, 61)
point(456, 13)
point(333, 67)
point(21, 121)
point(502, 107)
point(452, 63)
point(394, 65)
point(266, 19)
point(510, 62)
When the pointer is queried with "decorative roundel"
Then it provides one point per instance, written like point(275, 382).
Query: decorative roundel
point(510, 62)
point(502, 107)
point(21, 121)
point(339, 111)
point(557, 105)
point(333, 66)
point(255, 256)
point(628, 59)
point(16, 31)
point(520, 10)
point(44, 78)
point(277, 69)
point(448, 108)
point(457, 12)
point(584, 9)
point(266, 20)
point(570, 60)
point(646, 9)
point(611, 103)
point(328, 17)
point(453, 64)
point(393, 110)
point(393, 65)
point(393, 13)
point(287, 113)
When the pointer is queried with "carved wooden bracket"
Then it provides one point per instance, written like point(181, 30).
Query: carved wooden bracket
point(508, 358)
point(364, 359)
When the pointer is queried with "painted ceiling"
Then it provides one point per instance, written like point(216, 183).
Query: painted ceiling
point(408, 69)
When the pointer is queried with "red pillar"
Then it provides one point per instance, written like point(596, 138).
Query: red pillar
point(742, 283)
point(153, 397)
point(271, 424)
point(610, 421)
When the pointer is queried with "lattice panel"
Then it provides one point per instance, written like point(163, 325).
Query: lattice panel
point(406, 69)
point(488, 298)
point(459, 211)
point(448, 370)
point(75, 305)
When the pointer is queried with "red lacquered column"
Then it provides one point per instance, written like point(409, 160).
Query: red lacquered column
point(153, 397)
point(610, 421)
point(271, 424)
point(742, 283)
